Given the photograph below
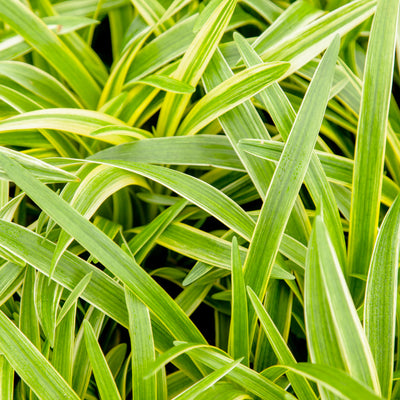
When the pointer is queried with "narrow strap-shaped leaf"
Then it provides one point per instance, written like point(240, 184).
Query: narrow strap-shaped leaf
point(282, 112)
point(230, 93)
point(73, 296)
point(28, 319)
point(353, 342)
point(313, 38)
point(82, 370)
point(207, 382)
point(141, 244)
point(163, 49)
point(106, 251)
point(95, 187)
point(210, 249)
point(42, 170)
point(193, 64)
point(102, 292)
point(244, 122)
point(298, 15)
point(39, 82)
point(167, 83)
point(243, 376)
point(47, 296)
point(381, 297)
point(81, 122)
point(30, 364)
point(51, 47)
point(323, 344)
point(371, 138)
point(142, 345)
point(196, 191)
point(288, 176)
point(177, 150)
point(7, 379)
point(104, 379)
point(285, 356)
point(335, 380)
point(239, 333)
point(63, 350)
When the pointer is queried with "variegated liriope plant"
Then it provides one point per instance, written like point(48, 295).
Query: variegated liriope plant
point(214, 215)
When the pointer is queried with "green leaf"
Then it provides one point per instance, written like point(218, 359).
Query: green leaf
point(354, 346)
point(39, 82)
point(30, 364)
point(81, 122)
point(106, 251)
point(166, 83)
point(43, 171)
point(7, 379)
point(289, 175)
point(243, 376)
point(207, 382)
point(196, 191)
point(193, 64)
point(104, 379)
point(239, 334)
point(35, 32)
point(338, 169)
point(47, 296)
point(284, 355)
point(284, 116)
point(142, 345)
point(203, 150)
point(370, 143)
point(229, 94)
point(73, 297)
point(313, 38)
point(63, 350)
point(208, 248)
point(142, 243)
point(162, 50)
point(335, 380)
point(381, 297)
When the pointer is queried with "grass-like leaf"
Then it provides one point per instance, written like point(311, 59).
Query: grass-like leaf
point(289, 175)
point(371, 138)
point(101, 370)
point(381, 298)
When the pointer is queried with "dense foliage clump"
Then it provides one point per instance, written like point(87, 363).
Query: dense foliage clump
point(198, 199)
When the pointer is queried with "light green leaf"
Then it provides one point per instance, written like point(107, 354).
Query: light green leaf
point(39, 82)
point(381, 298)
point(204, 150)
point(106, 251)
point(207, 382)
point(335, 380)
point(80, 122)
point(193, 64)
point(47, 296)
point(35, 32)
point(142, 345)
point(284, 355)
point(289, 175)
point(43, 171)
point(30, 364)
point(238, 334)
point(370, 143)
point(196, 191)
point(283, 114)
point(167, 83)
point(229, 94)
point(353, 343)
point(73, 296)
point(104, 379)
